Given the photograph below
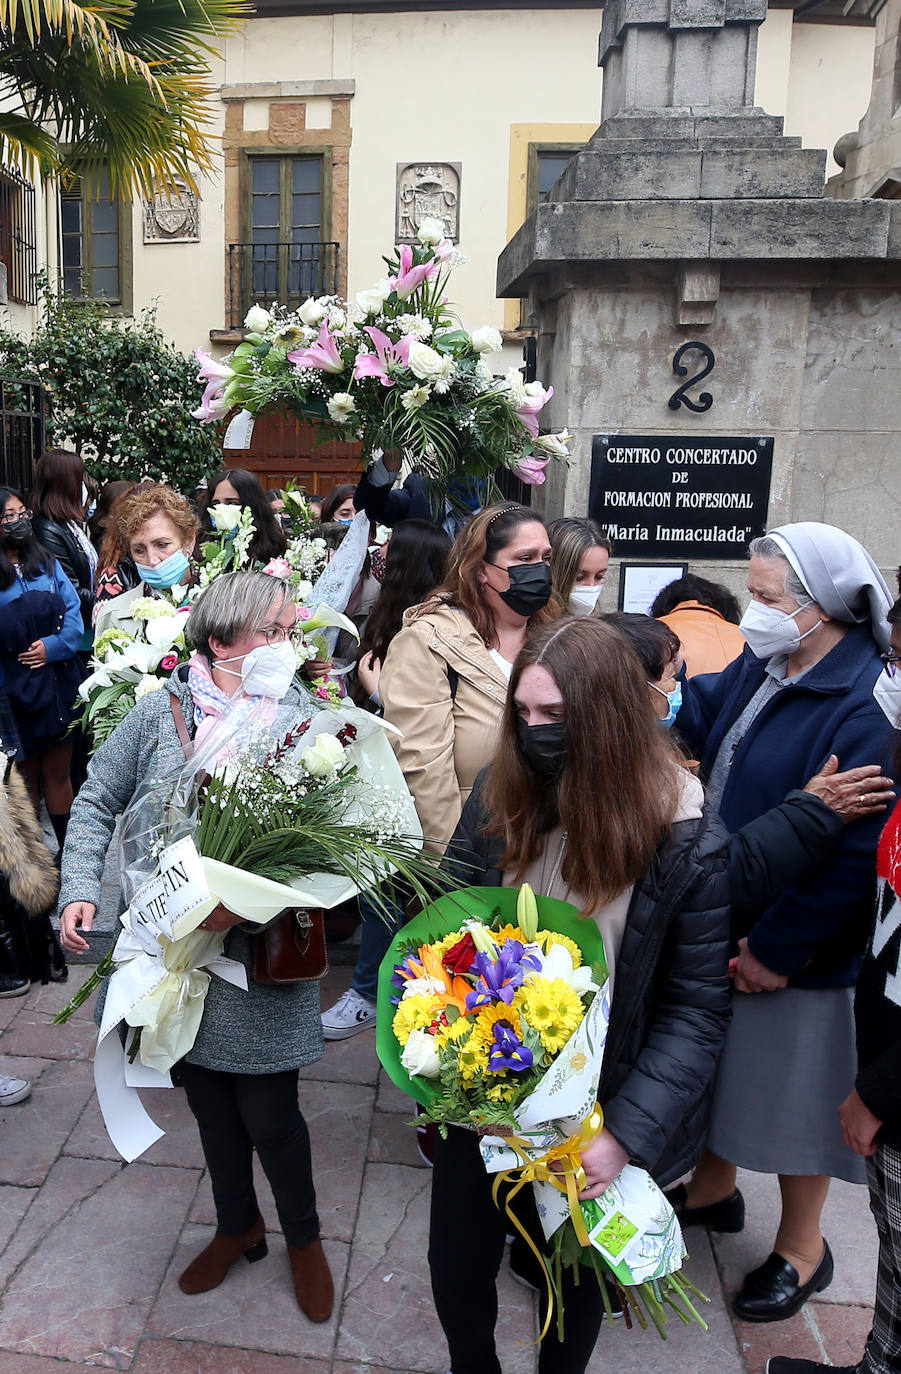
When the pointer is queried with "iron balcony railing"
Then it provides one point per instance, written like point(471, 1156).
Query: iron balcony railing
point(287, 273)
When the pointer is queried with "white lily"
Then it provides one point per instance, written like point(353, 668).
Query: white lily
point(558, 963)
point(326, 618)
point(165, 631)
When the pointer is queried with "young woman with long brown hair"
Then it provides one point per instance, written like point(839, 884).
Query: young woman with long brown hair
point(585, 800)
point(444, 679)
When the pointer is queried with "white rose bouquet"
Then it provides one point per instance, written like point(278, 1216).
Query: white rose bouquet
point(393, 369)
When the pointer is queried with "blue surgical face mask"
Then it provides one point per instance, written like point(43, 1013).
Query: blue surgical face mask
point(170, 573)
point(347, 520)
point(674, 702)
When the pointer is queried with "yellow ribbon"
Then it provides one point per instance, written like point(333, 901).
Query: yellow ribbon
point(568, 1177)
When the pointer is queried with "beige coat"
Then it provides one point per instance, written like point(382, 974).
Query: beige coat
point(446, 741)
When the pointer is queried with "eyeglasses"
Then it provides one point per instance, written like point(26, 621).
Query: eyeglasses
point(17, 515)
point(890, 661)
point(277, 634)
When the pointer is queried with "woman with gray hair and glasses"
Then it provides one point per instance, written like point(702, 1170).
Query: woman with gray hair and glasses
point(241, 1075)
point(808, 686)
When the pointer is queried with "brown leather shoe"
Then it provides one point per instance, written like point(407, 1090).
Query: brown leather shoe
point(212, 1264)
point(312, 1281)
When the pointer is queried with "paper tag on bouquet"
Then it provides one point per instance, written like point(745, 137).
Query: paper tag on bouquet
point(635, 1229)
point(179, 891)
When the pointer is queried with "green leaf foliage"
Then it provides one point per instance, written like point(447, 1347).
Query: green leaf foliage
point(118, 392)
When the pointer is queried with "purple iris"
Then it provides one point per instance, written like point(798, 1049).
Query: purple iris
point(508, 1051)
point(499, 978)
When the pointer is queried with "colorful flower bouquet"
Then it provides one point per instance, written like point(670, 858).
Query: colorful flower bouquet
point(127, 665)
point(493, 1013)
point(393, 369)
point(256, 823)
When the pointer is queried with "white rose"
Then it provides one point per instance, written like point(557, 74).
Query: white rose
point(515, 388)
point(341, 406)
point(257, 320)
point(227, 517)
point(425, 363)
point(415, 397)
point(323, 756)
point(312, 313)
point(371, 301)
point(336, 318)
point(420, 1055)
point(487, 339)
point(147, 684)
point(430, 231)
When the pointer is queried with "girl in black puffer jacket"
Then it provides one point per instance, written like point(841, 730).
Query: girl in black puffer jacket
point(586, 801)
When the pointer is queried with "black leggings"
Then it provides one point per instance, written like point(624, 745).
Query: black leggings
point(466, 1246)
point(240, 1112)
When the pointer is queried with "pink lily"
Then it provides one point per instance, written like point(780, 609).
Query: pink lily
point(410, 278)
point(530, 469)
point(377, 364)
point(212, 404)
point(323, 354)
point(443, 249)
point(210, 370)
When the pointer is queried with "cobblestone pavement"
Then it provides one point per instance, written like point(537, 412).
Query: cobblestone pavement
point(90, 1248)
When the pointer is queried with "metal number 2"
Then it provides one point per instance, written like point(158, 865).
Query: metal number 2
point(680, 396)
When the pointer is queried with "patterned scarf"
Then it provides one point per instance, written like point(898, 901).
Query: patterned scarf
point(210, 701)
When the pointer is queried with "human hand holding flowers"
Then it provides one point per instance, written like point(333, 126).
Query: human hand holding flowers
point(603, 1160)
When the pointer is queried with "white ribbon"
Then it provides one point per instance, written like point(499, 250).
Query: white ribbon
point(162, 992)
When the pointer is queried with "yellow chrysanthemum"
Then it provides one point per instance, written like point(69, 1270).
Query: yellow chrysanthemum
point(414, 1013)
point(472, 1059)
point(453, 1030)
point(546, 938)
point(497, 1011)
point(501, 1092)
point(509, 932)
point(552, 1008)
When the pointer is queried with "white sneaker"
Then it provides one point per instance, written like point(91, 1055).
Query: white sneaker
point(350, 1014)
point(13, 1090)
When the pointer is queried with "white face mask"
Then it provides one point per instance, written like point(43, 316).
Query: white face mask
point(770, 632)
point(267, 671)
point(887, 694)
point(583, 600)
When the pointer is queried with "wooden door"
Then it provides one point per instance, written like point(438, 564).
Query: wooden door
point(284, 446)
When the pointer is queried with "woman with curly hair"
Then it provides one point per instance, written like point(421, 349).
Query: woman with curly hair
point(157, 529)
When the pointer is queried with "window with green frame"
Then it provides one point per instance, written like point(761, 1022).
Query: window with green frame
point(287, 208)
point(95, 243)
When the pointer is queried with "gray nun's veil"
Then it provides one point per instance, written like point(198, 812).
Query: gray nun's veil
point(839, 574)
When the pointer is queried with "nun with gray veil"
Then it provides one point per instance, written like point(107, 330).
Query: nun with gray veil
point(809, 685)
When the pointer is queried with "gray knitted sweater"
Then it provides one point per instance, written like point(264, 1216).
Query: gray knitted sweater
point(264, 1030)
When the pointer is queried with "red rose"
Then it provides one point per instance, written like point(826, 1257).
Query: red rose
point(458, 959)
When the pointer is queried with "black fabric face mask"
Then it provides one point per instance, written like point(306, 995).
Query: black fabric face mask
point(530, 587)
point(16, 532)
point(543, 746)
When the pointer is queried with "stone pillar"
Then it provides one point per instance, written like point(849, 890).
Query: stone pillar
point(870, 158)
point(689, 216)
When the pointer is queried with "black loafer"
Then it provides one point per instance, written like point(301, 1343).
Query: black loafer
point(773, 1293)
point(726, 1217)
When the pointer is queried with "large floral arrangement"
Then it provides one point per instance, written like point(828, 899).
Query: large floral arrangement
point(127, 664)
point(258, 821)
point(497, 1021)
point(393, 369)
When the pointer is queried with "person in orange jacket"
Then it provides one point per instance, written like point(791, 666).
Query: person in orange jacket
point(705, 617)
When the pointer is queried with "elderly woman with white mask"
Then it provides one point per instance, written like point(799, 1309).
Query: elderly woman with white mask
point(807, 686)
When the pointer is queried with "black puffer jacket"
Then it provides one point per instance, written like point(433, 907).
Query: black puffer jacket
point(671, 994)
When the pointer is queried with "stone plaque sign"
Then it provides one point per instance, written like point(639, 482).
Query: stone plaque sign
point(427, 189)
point(682, 496)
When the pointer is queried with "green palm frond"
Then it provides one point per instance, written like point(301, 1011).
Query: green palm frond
point(126, 83)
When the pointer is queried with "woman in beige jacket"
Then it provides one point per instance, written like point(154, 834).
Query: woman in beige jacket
point(444, 680)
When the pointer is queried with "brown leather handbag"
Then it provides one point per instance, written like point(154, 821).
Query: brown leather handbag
point(292, 947)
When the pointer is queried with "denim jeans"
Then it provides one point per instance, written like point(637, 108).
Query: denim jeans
point(376, 934)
